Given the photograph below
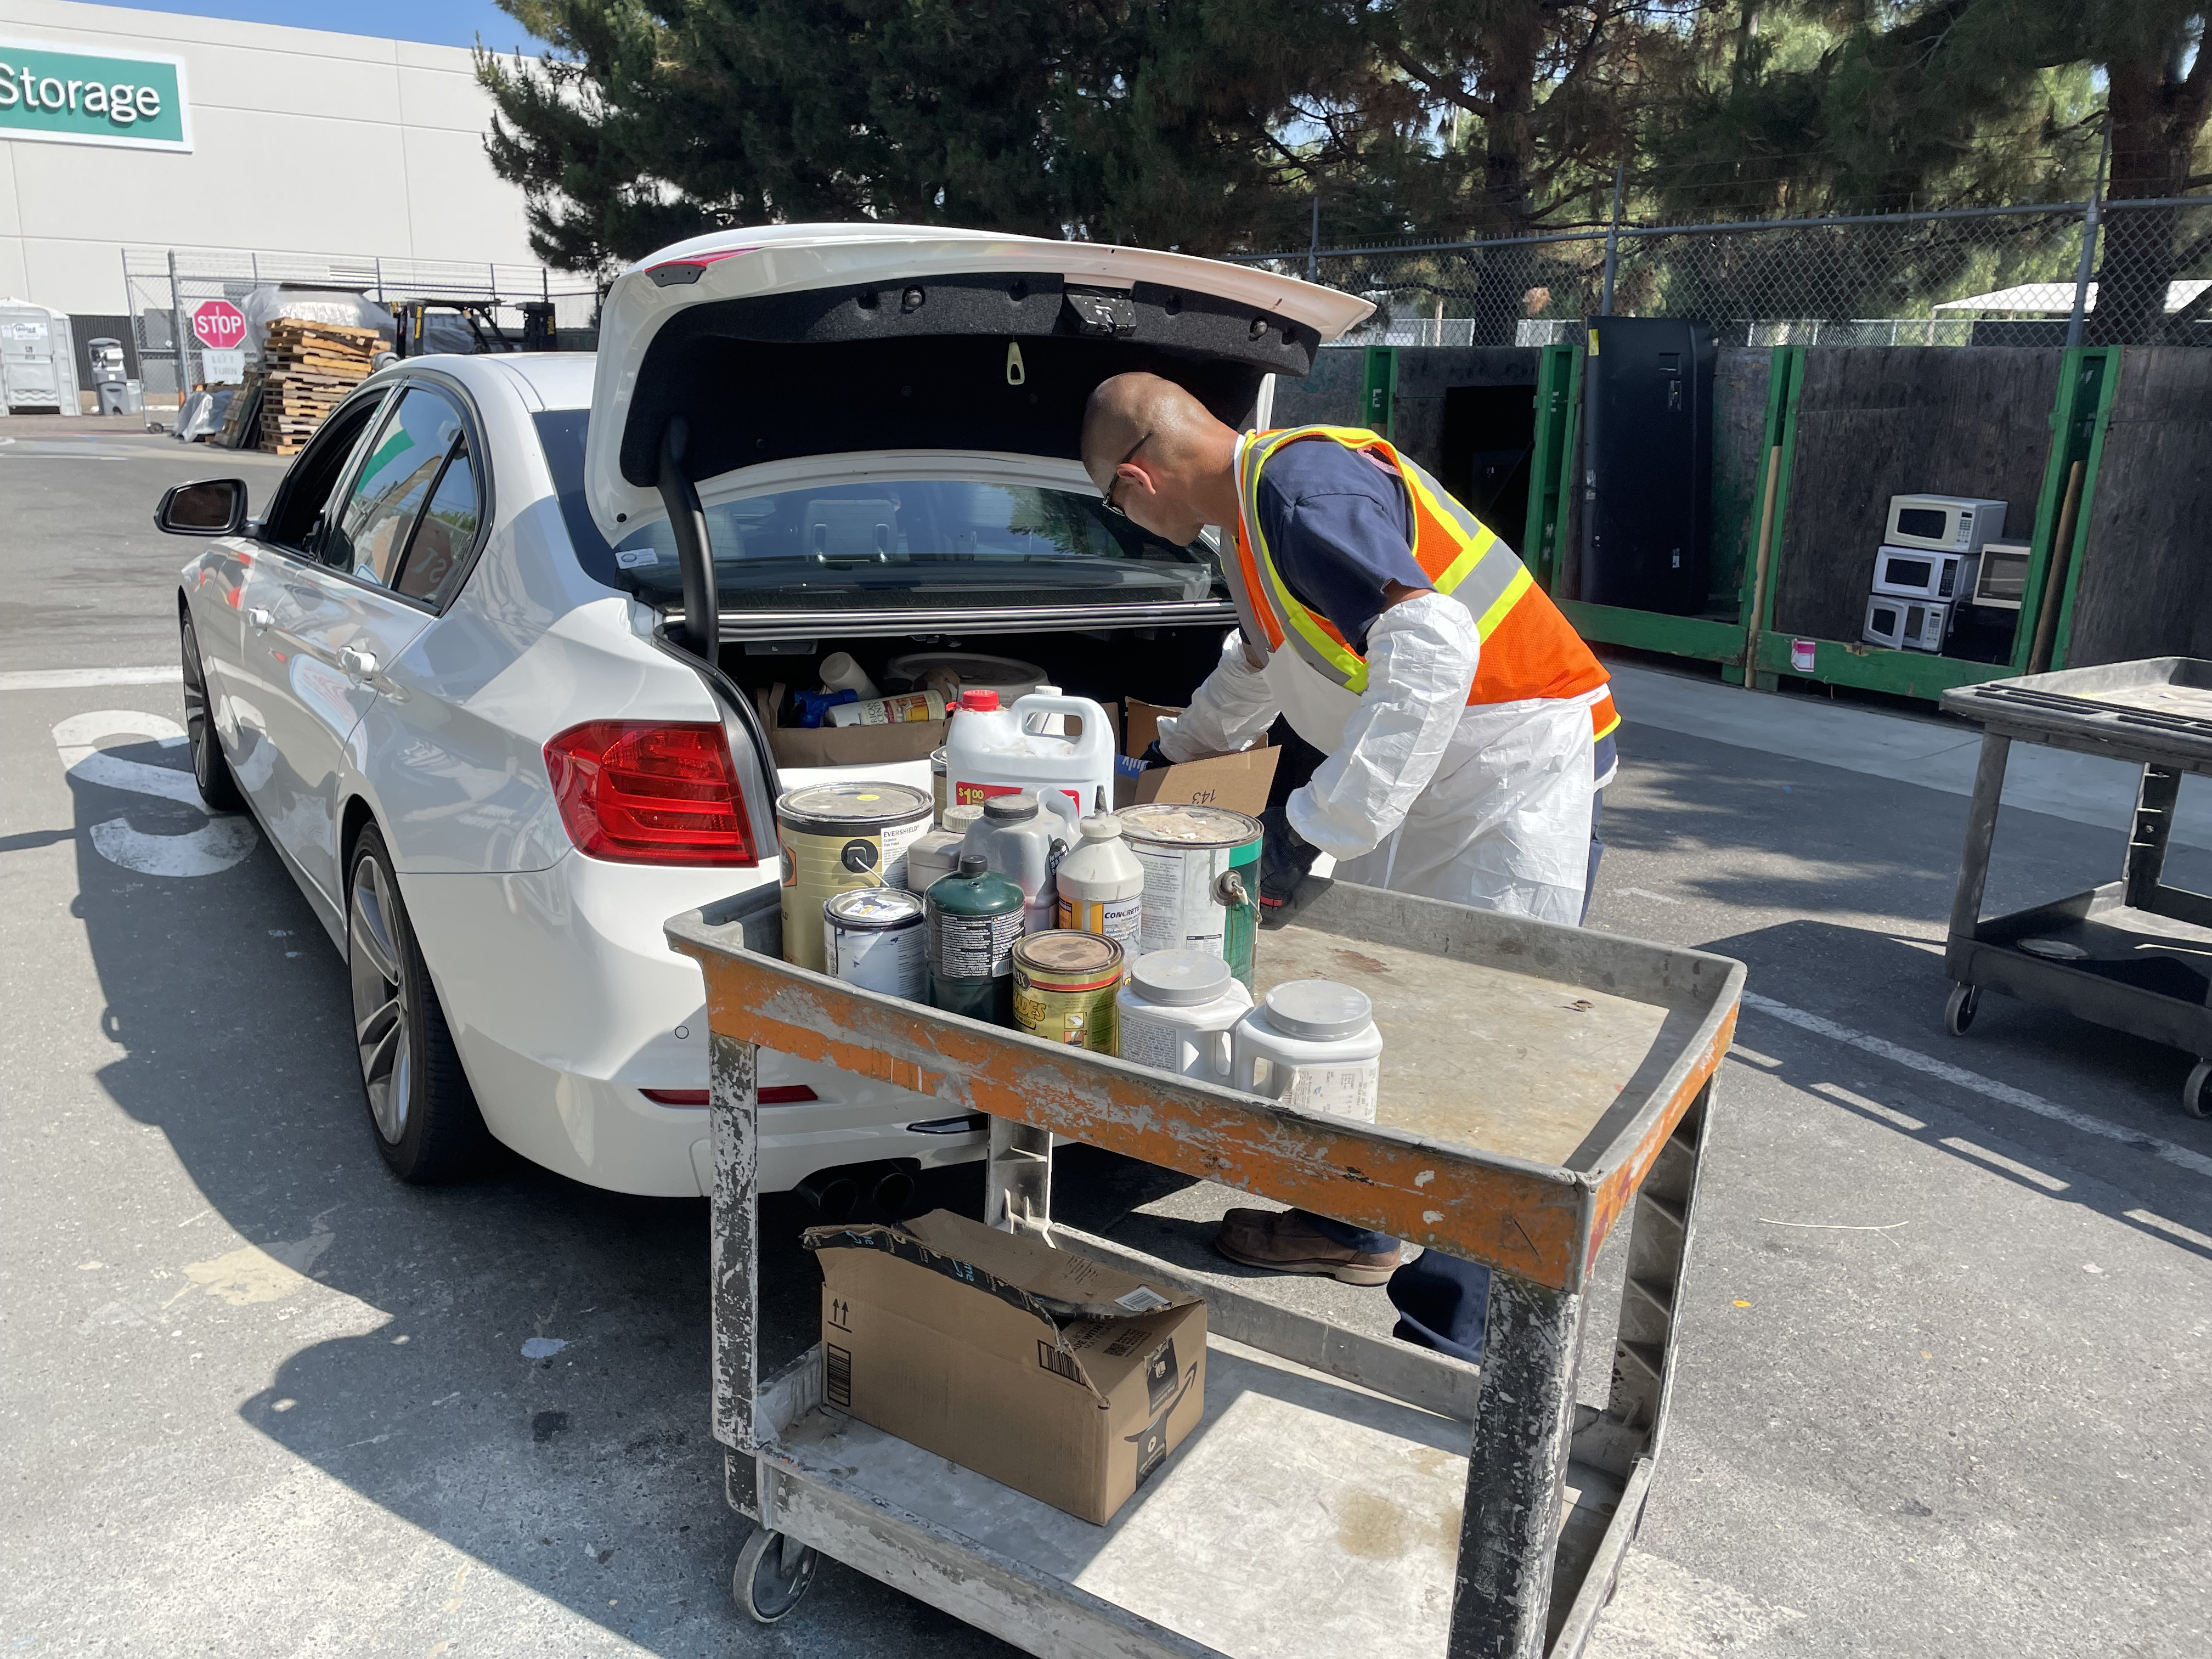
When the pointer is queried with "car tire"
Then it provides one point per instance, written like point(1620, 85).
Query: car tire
point(211, 772)
point(421, 1109)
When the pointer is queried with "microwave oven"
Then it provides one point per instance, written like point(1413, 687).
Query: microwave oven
point(1905, 624)
point(1944, 524)
point(2000, 581)
point(1908, 573)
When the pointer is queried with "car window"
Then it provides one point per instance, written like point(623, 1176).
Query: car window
point(932, 542)
point(371, 530)
point(308, 483)
point(438, 556)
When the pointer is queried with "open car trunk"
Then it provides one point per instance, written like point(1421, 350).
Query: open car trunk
point(804, 438)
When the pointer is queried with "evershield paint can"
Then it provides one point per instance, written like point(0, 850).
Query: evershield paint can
point(1064, 988)
point(836, 837)
point(1201, 880)
point(974, 918)
point(874, 938)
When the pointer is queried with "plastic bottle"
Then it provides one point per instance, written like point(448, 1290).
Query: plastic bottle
point(1102, 885)
point(908, 706)
point(974, 917)
point(1020, 843)
point(841, 673)
point(988, 752)
point(937, 854)
point(1312, 1042)
point(1175, 1013)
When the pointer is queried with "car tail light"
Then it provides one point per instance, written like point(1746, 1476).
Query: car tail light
point(636, 793)
point(779, 1094)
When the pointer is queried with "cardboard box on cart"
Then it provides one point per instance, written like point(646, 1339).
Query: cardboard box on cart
point(1039, 1368)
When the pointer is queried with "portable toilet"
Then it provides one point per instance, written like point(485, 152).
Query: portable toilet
point(38, 364)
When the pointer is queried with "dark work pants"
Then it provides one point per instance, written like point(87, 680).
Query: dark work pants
point(1441, 1300)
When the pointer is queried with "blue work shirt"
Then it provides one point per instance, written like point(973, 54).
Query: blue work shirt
point(1340, 528)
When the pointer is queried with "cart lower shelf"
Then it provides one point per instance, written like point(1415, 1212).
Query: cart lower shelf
point(1306, 1517)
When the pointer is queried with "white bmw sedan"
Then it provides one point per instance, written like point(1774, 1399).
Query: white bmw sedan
point(489, 666)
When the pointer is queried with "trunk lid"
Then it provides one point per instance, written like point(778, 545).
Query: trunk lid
point(781, 342)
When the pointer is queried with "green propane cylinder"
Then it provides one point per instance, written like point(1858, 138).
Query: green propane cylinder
point(974, 917)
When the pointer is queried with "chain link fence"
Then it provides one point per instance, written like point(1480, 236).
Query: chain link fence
point(2010, 276)
point(165, 287)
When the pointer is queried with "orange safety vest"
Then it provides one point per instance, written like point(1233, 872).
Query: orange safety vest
point(1528, 649)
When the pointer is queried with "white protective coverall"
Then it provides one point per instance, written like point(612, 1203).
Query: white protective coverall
point(1481, 804)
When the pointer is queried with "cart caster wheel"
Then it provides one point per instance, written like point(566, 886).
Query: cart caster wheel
point(2196, 1090)
point(772, 1575)
point(1958, 1013)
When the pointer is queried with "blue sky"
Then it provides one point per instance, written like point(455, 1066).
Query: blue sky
point(437, 22)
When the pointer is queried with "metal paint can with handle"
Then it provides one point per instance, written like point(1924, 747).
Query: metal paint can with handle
point(1064, 988)
point(836, 837)
point(1201, 880)
point(874, 938)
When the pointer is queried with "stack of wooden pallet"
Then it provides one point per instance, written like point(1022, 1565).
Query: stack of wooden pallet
point(310, 368)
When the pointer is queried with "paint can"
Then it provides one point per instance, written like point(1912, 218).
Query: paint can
point(837, 836)
point(1202, 879)
point(937, 785)
point(874, 938)
point(1064, 988)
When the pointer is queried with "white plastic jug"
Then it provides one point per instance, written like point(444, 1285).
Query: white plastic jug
point(1023, 844)
point(988, 752)
point(1312, 1042)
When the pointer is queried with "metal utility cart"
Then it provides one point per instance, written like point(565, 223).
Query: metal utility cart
point(2134, 954)
point(1343, 1495)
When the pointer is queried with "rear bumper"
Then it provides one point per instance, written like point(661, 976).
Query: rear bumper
point(566, 1003)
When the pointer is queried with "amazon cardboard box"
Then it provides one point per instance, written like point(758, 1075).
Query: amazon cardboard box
point(1239, 782)
point(1037, 1367)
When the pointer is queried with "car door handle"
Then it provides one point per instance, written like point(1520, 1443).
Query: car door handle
point(360, 663)
point(260, 620)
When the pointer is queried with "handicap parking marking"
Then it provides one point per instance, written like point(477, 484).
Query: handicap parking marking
point(222, 840)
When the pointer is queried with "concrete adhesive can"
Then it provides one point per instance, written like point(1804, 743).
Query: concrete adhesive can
point(1312, 1042)
point(974, 917)
point(874, 937)
point(1064, 988)
point(1102, 885)
point(837, 836)
point(1202, 879)
point(1176, 1012)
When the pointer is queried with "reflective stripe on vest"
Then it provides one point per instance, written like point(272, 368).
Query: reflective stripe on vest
point(1540, 655)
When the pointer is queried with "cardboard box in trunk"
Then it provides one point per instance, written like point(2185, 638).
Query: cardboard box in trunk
point(1239, 782)
point(1037, 1367)
point(845, 745)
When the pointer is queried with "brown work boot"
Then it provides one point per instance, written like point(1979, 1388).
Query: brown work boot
point(1284, 1241)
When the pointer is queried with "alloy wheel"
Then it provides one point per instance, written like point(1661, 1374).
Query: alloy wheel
point(382, 1008)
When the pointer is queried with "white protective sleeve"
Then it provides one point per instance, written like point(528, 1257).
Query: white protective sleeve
point(1231, 711)
point(1421, 658)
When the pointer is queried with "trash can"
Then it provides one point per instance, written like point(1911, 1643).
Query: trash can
point(122, 397)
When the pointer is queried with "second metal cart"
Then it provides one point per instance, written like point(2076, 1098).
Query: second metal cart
point(2134, 954)
point(1343, 1495)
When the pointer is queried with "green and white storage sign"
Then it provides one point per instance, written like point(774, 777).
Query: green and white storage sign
point(80, 98)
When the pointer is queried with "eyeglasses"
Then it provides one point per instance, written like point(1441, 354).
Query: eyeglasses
point(1116, 511)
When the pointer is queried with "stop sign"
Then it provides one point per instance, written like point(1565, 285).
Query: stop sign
point(219, 325)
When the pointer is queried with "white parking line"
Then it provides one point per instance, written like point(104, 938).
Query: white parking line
point(65, 679)
point(1987, 1087)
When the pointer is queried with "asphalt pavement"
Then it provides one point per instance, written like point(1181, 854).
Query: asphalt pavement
point(1944, 1357)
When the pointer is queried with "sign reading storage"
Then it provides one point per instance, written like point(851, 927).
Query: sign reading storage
point(76, 98)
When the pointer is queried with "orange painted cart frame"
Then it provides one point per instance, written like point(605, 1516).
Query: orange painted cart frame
point(1553, 1490)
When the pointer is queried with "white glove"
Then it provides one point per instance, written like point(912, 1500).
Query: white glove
point(1230, 712)
point(1421, 658)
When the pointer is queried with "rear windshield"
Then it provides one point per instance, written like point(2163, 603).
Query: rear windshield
point(885, 543)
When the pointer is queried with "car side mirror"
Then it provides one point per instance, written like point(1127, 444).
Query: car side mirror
point(212, 507)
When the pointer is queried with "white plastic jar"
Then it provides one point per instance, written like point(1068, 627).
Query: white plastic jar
point(1176, 1012)
point(1312, 1043)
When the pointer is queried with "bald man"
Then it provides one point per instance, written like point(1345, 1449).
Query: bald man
point(1467, 728)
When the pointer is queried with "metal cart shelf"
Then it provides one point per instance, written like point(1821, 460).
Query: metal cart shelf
point(2134, 954)
point(1344, 1495)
